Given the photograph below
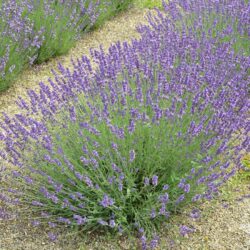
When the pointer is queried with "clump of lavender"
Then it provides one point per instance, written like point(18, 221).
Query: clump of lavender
point(228, 20)
point(158, 124)
point(34, 31)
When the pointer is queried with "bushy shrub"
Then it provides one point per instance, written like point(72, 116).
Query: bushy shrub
point(158, 124)
point(227, 19)
point(34, 31)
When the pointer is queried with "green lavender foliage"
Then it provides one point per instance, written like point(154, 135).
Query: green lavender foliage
point(33, 32)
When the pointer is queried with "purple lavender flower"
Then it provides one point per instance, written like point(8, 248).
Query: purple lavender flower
point(95, 153)
point(164, 198)
point(35, 223)
point(88, 181)
point(114, 146)
point(185, 230)
point(4, 214)
point(162, 210)
point(165, 187)
point(112, 223)
point(52, 224)
point(28, 180)
point(102, 222)
point(120, 186)
point(107, 201)
point(186, 188)
point(154, 180)
point(153, 213)
point(144, 242)
point(131, 155)
point(154, 242)
point(79, 176)
point(16, 173)
point(79, 219)
point(81, 205)
point(84, 161)
point(37, 203)
point(195, 214)
point(64, 220)
point(52, 236)
point(146, 181)
point(72, 114)
point(180, 199)
point(115, 168)
point(131, 127)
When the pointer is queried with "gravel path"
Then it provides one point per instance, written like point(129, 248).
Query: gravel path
point(224, 224)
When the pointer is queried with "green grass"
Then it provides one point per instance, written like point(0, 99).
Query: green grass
point(148, 4)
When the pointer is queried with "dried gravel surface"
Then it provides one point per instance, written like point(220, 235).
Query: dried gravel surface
point(224, 224)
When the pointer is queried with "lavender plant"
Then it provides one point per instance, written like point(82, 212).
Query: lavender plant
point(17, 40)
point(160, 123)
point(111, 7)
point(228, 19)
point(34, 31)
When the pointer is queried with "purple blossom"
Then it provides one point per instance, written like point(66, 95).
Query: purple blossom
point(102, 222)
point(131, 127)
point(72, 114)
point(186, 188)
point(185, 230)
point(112, 223)
point(35, 223)
point(79, 176)
point(52, 224)
point(146, 181)
point(153, 213)
point(154, 242)
point(196, 197)
point(120, 186)
point(37, 203)
point(165, 187)
point(64, 220)
point(154, 180)
point(16, 173)
point(52, 236)
point(79, 219)
point(95, 153)
point(131, 155)
point(114, 146)
point(81, 205)
point(28, 180)
point(115, 168)
point(4, 214)
point(84, 161)
point(195, 214)
point(107, 201)
point(162, 210)
point(180, 199)
point(144, 242)
point(164, 198)
point(88, 181)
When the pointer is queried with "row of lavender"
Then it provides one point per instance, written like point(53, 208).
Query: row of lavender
point(160, 123)
point(33, 31)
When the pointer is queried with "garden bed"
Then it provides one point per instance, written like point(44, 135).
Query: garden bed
point(224, 223)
